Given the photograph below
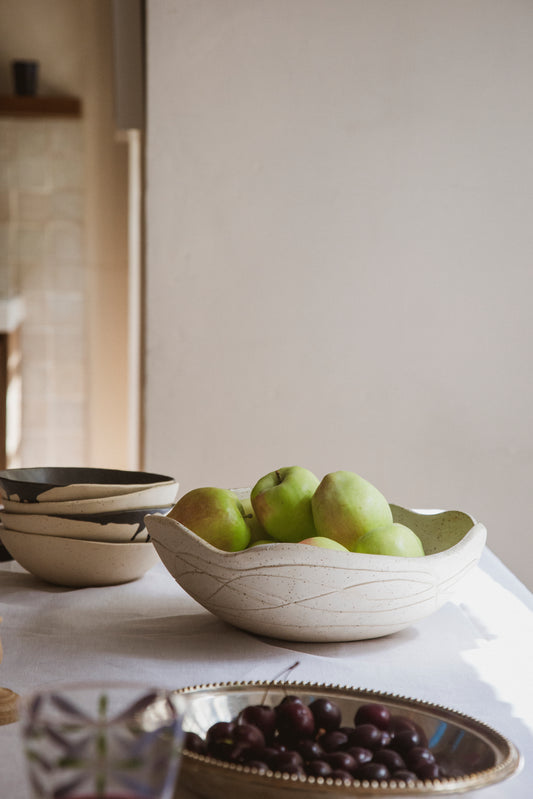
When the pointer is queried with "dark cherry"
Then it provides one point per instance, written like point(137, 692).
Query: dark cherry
point(422, 735)
point(318, 768)
point(405, 740)
point(220, 730)
point(326, 713)
point(194, 743)
point(347, 730)
point(404, 775)
point(230, 741)
point(261, 716)
point(360, 754)
point(269, 753)
point(289, 699)
point(247, 738)
point(386, 739)
point(341, 760)
point(251, 753)
point(294, 721)
point(219, 740)
point(428, 771)
point(291, 762)
point(222, 750)
point(400, 723)
point(331, 741)
point(248, 734)
point(372, 771)
point(393, 760)
point(373, 713)
point(366, 735)
point(340, 774)
point(309, 749)
point(418, 756)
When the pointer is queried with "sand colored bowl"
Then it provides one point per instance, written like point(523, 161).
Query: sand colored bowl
point(302, 593)
point(77, 563)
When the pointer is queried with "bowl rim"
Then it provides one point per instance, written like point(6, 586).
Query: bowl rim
point(123, 477)
point(282, 547)
point(133, 500)
point(103, 517)
point(80, 542)
point(510, 763)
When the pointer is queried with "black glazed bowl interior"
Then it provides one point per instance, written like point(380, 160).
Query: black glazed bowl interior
point(51, 484)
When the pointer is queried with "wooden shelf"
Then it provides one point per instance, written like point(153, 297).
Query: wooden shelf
point(19, 106)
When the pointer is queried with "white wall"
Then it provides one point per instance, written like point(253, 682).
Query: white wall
point(339, 223)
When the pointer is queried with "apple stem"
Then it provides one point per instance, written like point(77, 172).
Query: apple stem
point(281, 673)
point(279, 477)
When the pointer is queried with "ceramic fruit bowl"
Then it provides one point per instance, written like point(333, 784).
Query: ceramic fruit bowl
point(303, 593)
point(77, 563)
point(126, 525)
point(57, 484)
point(470, 754)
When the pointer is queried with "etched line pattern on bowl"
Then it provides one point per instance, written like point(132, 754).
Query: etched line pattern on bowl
point(310, 594)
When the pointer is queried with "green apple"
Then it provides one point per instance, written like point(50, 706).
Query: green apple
point(282, 503)
point(256, 530)
point(325, 543)
point(214, 514)
point(346, 506)
point(393, 539)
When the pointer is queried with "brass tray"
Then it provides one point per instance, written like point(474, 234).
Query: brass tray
point(473, 754)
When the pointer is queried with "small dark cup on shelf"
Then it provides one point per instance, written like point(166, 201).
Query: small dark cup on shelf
point(25, 77)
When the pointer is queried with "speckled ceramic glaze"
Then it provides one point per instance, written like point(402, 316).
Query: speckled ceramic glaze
point(76, 563)
point(302, 593)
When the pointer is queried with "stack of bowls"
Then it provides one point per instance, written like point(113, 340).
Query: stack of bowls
point(82, 526)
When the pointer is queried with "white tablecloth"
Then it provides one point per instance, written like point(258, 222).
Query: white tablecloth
point(475, 654)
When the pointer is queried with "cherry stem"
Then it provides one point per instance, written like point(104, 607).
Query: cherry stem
point(277, 677)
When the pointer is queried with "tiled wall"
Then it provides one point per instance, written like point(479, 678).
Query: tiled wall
point(42, 258)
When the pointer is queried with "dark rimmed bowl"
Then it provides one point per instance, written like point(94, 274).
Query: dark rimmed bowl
point(58, 484)
point(126, 525)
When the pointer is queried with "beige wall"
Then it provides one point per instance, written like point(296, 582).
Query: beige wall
point(339, 248)
point(75, 370)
